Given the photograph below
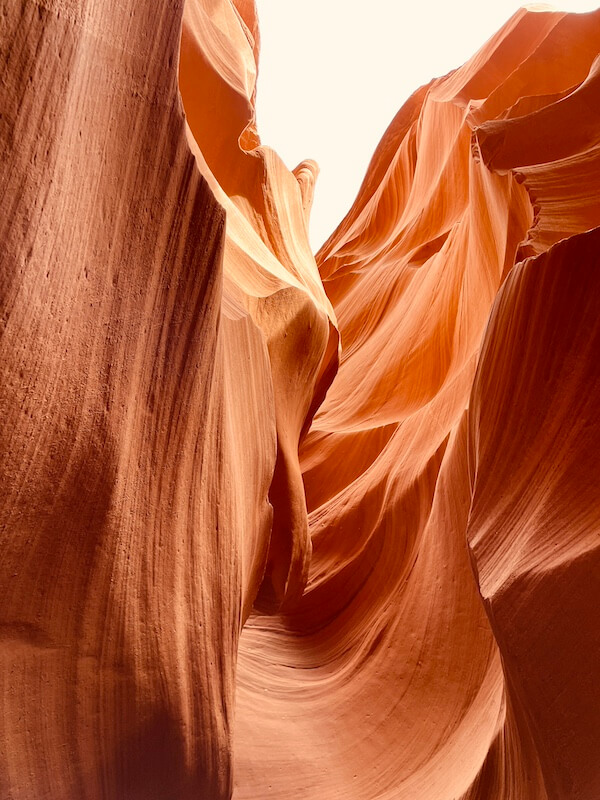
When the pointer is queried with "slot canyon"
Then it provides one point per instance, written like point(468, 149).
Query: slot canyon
point(283, 525)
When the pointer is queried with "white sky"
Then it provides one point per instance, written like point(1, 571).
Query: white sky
point(333, 73)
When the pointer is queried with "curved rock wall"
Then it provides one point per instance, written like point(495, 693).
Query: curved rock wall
point(285, 527)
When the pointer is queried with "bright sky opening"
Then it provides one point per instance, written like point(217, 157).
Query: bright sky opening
point(333, 74)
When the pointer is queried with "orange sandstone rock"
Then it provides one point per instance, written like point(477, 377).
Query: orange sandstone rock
point(387, 680)
point(274, 529)
point(157, 371)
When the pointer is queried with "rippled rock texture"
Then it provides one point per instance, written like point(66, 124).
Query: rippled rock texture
point(285, 527)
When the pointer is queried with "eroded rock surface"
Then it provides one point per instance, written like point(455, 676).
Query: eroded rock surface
point(285, 527)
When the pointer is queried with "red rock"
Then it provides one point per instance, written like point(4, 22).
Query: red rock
point(277, 529)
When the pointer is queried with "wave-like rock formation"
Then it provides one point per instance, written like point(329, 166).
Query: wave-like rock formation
point(281, 527)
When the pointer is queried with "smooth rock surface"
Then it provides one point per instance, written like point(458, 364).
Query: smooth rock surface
point(278, 526)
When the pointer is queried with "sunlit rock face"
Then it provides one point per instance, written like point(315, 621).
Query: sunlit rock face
point(281, 527)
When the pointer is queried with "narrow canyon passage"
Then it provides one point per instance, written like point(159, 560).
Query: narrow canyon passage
point(284, 525)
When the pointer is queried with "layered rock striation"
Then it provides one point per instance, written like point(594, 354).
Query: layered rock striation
point(278, 526)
